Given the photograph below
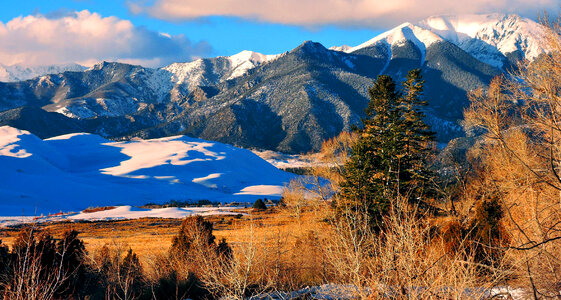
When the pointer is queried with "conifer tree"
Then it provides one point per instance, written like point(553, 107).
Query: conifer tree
point(259, 204)
point(389, 159)
point(418, 178)
point(369, 172)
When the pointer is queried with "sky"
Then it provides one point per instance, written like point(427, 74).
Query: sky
point(158, 32)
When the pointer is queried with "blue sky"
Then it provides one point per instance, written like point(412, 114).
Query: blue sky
point(157, 32)
point(226, 35)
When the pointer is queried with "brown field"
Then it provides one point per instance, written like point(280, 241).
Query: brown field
point(151, 236)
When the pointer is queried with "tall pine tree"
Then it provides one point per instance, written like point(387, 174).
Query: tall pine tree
point(419, 139)
point(389, 159)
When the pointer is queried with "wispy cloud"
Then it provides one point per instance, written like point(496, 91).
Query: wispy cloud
point(342, 12)
point(85, 37)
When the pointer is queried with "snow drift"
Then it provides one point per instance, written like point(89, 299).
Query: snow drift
point(76, 171)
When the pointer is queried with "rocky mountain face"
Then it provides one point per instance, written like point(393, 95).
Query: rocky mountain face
point(289, 102)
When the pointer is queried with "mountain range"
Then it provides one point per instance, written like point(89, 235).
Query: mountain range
point(288, 102)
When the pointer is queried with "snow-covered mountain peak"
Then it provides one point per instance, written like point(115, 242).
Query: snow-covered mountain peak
point(247, 55)
point(193, 73)
point(245, 60)
point(421, 37)
point(479, 34)
point(489, 37)
point(185, 72)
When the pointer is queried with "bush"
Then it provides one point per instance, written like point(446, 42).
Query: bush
point(120, 275)
point(259, 204)
point(483, 237)
point(43, 267)
point(171, 286)
point(488, 236)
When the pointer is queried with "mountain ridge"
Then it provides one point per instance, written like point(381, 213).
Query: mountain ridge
point(289, 102)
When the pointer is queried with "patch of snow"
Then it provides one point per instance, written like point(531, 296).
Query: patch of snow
point(389, 59)
point(206, 181)
point(262, 190)
point(190, 73)
point(283, 160)
point(129, 212)
point(124, 212)
point(9, 143)
point(343, 48)
point(329, 291)
point(347, 291)
point(4, 74)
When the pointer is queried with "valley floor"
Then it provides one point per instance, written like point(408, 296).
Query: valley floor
point(149, 237)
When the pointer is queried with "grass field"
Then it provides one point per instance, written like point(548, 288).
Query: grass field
point(150, 236)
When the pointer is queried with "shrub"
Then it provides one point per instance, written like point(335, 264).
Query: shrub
point(120, 274)
point(39, 267)
point(259, 204)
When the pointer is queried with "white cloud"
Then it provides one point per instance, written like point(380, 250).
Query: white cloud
point(344, 12)
point(85, 37)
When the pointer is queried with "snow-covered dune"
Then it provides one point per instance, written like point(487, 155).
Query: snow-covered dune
point(76, 171)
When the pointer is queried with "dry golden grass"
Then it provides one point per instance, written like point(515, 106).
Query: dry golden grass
point(150, 237)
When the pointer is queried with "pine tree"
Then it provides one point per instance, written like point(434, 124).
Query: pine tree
point(418, 177)
point(389, 159)
point(369, 172)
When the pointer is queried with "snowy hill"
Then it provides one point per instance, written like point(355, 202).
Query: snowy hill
point(76, 171)
point(246, 60)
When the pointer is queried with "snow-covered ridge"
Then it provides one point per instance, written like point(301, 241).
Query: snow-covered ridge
point(505, 33)
point(76, 171)
point(487, 37)
point(421, 37)
point(21, 72)
point(192, 73)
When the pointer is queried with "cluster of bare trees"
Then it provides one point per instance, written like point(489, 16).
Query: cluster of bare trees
point(518, 158)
